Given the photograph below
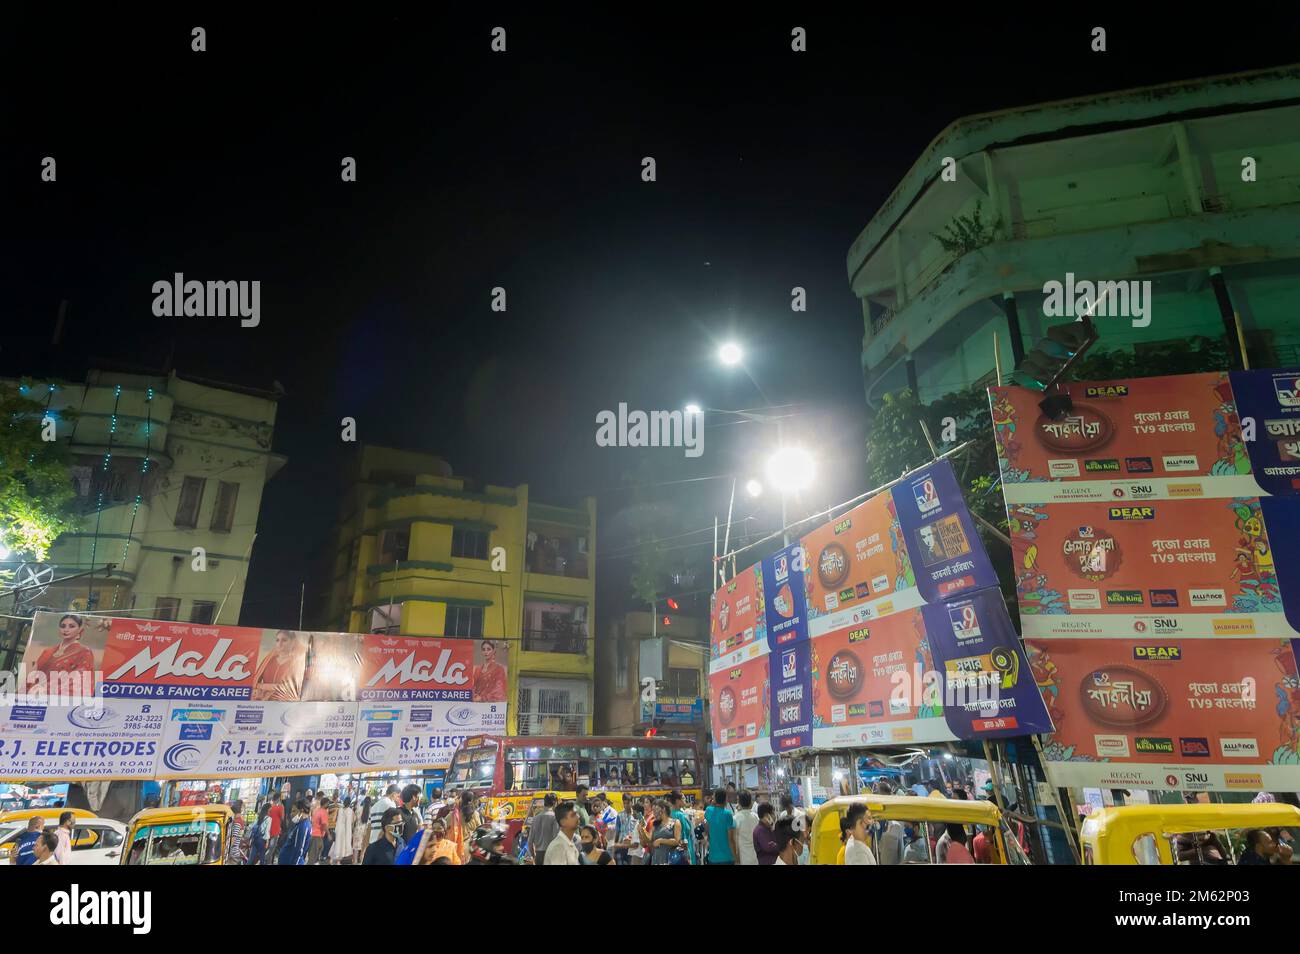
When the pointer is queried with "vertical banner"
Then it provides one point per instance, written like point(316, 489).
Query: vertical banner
point(785, 604)
point(988, 690)
point(791, 686)
point(947, 555)
point(741, 711)
point(737, 618)
point(1269, 405)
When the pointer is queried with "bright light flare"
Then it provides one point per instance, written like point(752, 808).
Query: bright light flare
point(791, 469)
point(730, 353)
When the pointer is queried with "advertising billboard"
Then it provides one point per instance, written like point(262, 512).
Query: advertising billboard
point(1152, 430)
point(109, 697)
point(741, 711)
point(1180, 714)
point(737, 618)
point(1190, 566)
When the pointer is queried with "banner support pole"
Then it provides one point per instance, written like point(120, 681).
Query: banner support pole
point(1067, 821)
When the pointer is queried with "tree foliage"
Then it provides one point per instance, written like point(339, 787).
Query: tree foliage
point(36, 492)
point(966, 233)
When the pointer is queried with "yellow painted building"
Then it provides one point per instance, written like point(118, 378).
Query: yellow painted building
point(423, 553)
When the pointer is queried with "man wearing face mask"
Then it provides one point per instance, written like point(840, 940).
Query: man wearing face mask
point(385, 850)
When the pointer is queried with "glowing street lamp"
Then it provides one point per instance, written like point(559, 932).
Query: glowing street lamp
point(791, 469)
point(730, 353)
point(753, 488)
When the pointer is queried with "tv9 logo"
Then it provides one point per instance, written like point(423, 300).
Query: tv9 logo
point(1287, 389)
point(965, 622)
point(926, 494)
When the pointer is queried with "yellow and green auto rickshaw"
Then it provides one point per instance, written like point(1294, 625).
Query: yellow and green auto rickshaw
point(188, 835)
point(1149, 834)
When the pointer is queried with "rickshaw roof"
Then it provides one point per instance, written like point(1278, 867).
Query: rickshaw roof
point(915, 808)
point(1135, 820)
point(183, 813)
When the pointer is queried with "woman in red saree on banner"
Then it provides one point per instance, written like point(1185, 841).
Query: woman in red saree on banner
point(70, 666)
point(279, 675)
point(489, 678)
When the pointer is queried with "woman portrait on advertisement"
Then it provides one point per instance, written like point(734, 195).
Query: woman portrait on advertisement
point(70, 656)
point(490, 677)
point(279, 674)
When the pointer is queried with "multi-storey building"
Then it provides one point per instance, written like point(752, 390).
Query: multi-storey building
point(161, 465)
point(423, 553)
point(676, 656)
point(1193, 186)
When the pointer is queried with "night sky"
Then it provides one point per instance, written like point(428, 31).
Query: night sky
point(522, 170)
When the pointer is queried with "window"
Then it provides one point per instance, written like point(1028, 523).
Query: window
point(464, 621)
point(684, 683)
point(552, 707)
point(394, 546)
point(223, 514)
point(166, 608)
point(555, 627)
point(187, 511)
point(621, 665)
point(471, 544)
point(203, 612)
point(386, 619)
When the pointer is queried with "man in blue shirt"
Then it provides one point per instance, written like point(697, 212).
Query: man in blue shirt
point(25, 845)
point(722, 830)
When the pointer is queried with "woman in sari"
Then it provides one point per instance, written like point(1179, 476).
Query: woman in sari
point(279, 674)
point(490, 678)
point(70, 664)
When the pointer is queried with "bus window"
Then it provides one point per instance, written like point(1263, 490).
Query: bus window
point(473, 767)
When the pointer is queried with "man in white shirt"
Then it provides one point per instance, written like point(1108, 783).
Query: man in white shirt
point(377, 812)
point(857, 851)
point(44, 848)
point(746, 822)
point(562, 850)
point(64, 833)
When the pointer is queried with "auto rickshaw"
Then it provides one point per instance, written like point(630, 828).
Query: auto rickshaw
point(188, 835)
point(930, 815)
point(1143, 834)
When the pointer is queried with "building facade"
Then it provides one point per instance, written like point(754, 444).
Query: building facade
point(1193, 186)
point(423, 553)
point(161, 464)
point(677, 656)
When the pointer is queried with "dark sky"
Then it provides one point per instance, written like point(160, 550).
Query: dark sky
point(520, 170)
